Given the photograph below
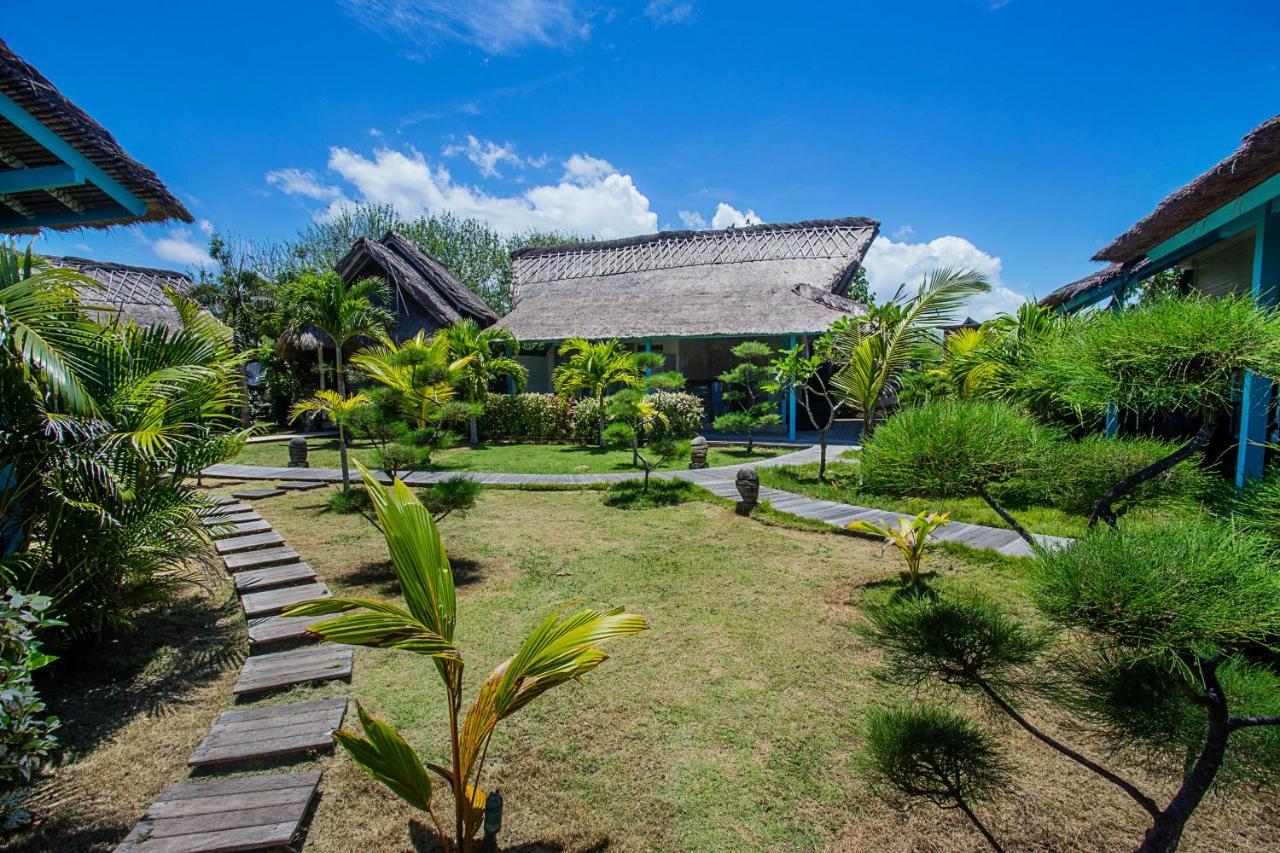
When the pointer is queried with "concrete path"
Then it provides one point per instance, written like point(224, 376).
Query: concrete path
point(719, 481)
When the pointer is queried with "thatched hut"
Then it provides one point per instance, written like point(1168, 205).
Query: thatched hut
point(425, 295)
point(129, 293)
point(61, 169)
point(1222, 230)
point(689, 295)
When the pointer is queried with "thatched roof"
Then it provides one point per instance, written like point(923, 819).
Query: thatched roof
point(444, 298)
point(18, 150)
point(1103, 279)
point(129, 293)
point(759, 280)
point(1256, 160)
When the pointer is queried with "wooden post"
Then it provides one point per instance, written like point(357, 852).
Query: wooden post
point(1257, 393)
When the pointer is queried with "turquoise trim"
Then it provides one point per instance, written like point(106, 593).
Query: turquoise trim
point(791, 404)
point(1223, 216)
point(63, 150)
point(40, 178)
point(1257, 392)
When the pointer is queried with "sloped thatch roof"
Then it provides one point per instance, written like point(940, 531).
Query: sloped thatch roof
point(1100, 280)
point(1256, 160)
point(129, 293)
point(444, 298)
point(759, 280)
point(33, 93)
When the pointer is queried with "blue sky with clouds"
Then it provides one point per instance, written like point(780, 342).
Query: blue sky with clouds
point(1018, 136)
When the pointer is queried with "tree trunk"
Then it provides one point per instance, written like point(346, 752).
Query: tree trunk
point(342, 381)
point(1008, 519)
point(635, 449)
point(600, 423)
point(1105, 509)
point(981, 827)
point(822, 455)
point(751, 439)
point(342, 452)
point(475, 431)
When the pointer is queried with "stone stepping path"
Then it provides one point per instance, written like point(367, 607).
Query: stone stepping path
point(299, 486)
point(226, 509)
point(252, 542)
point(243, 813)
point(270, 732)
point(279, 629)
point(260, 559)
point(241, 528)
point(257, 493)
point(272, 601)
point(300, 666)
point(233, 518)
point(255, 580)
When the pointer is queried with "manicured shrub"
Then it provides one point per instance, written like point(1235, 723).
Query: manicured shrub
point(26, 732)
point(534, 417)
point(1257, 506)
point(456, 495)
point(683, 414)
point(1079, 473)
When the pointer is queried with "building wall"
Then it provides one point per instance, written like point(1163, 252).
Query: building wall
point(1225, 267)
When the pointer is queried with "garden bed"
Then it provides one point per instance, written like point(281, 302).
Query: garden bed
point(506, 458)
point(734, 723)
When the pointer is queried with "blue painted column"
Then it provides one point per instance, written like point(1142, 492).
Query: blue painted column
point(648, 347)
point(1256, 395)
point(791, 404)
point(1113, 411)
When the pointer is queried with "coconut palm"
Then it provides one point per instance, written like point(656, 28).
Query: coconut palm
point(339, 409)
point(592, 368)
point(878, 348)
point(562, 648)
point(492, 353)
point(342, 311)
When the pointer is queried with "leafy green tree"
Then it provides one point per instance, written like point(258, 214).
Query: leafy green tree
point(860, 289)
point(340, 409)
point(634, 410)
point(1172, 354)
point(808, 376)
point(342, 311)
point(992, 360)
point(591, 369)
point(877, 349)
point(561, 649)
point(1164, 651)
point(491, 353)
point(748, 392)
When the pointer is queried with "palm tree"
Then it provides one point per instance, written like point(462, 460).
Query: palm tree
point(339, 409)
point(419, 370)
point(878, 348)
point(340, 310)
point(592, 368)
point(562, 648)
point(492, 352)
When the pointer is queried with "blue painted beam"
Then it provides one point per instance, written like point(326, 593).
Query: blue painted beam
point(791, 404)
point(1223, 216)
point(40, 178)
point(64, 151)
point(68, 217)
point(1257, 392)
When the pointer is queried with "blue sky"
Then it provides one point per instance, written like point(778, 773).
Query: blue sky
point(1016, 136)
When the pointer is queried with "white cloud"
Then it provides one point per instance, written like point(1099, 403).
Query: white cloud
point(304, 183)
point(182, 246)
point(727, 214)
point(904, 232)
point(890, 264)
point(206, 226)
point(494, 26)
point(593, 198)
point(487, 155)
point(669, 11)
point(692, 219)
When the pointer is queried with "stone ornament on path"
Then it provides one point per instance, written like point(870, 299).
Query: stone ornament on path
point(298, 453)
point(748, 483)
point(698, 453)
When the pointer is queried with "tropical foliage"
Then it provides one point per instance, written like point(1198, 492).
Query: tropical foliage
point(747, 395)
point(591, 369)
point(910, 537)
point(341, 411)
point(26, 732)
point(807, 374)
point(562, 648)
point(342, 311)
point(483, 356)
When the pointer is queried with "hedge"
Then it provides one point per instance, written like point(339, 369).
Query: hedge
point(550, 418)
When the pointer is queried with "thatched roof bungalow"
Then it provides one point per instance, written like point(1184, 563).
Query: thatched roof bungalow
point(129, 293)
point(689, 295)
point(1222, 230)
point(425, 295)
point(61, 169)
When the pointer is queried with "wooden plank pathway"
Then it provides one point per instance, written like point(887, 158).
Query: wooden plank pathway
point(242, 813)
point(270, 732)
point(300, 666)
point(256, 493)
point(299, 486)
point(254, 812)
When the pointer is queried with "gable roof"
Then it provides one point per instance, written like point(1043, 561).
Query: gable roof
point(444, 298)
point(75, 205)
point(129, 293)
point(759, 280)
point(1256, 160)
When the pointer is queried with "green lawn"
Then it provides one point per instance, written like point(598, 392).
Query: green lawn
point(506, 458)
point(842, 486)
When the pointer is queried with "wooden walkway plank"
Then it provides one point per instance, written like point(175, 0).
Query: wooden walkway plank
point(300, 485)
point(242, 813)
point(272, 601)
point(242, 528)
point(270, 732)
point(252, 542)
point(235, 518)
point(257, 493)
point(255, 580)
point(260, 559)
point(265, 631)
point(300, 666)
